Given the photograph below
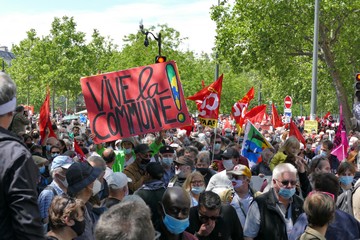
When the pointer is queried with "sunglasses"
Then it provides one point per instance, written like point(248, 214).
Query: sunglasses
point(205, 219)
point(55, 152)
point(286, 182)
point(326, 193)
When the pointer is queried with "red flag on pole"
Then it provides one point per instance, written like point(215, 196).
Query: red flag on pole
point(294, 131)
point(256, 114)
point(79, 151)
point(208, 103)
point(239, 109)
point(44, 119)
point(276, 120)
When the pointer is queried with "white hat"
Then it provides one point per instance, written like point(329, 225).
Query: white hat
point(117, 180)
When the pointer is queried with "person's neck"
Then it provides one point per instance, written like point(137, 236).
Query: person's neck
point(118, 196)
point(242, 192)
point(65, 233)
point(196, 196)
point(64, 189)
point(110, 165)
point(321, 230)
point(165, 234)
point(128, 156)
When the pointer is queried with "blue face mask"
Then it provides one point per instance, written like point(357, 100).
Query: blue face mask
point(48, 148)
point(167, 161)
point(286, 192)
point(197, 190)
point(42, 169)
point(174, 225)
point(217, 146)
point(127, 150)
point(346, 180)
point(54, 155)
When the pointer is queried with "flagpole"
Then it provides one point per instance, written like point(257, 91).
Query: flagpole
point(213, 149)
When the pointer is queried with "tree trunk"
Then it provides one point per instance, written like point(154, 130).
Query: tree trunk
point(340, 91)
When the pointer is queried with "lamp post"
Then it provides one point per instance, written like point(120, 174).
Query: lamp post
point(146, 33)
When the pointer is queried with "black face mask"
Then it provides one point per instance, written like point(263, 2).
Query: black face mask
point(203, 171)
point(29, 145)
point(78, 227)
point(35, 135)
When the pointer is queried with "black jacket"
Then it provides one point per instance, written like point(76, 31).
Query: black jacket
point(227, 227)
point(19, 211)
point(272, 222)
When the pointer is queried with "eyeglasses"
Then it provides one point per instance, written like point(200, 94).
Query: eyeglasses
point(204, 219)
point(55, 152)
point(326, 193)
point(286, 182)
point(197, 182)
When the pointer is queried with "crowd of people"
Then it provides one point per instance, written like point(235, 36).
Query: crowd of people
point(173, 184)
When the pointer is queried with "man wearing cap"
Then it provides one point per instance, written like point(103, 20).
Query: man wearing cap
point(184, 166)
point(136, 170)
point(118, 188)
point(124, 156)
point(244, 195)
point(83, 184)
point(43, 180)
point(153, 189)
point(20, 120)
point(167, 155)
point(212, 220)
point(58, 186)
point(19, 213)
point(222, 181)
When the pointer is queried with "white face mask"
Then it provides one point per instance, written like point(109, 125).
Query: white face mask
point(63, 182)
point(96, 187)
point(228, 164)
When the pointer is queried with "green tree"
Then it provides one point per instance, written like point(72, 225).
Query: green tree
point(275, 38)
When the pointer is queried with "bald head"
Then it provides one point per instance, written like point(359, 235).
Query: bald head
point(108, 155)
point(176, 203)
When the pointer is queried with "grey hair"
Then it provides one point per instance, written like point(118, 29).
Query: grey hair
point(134, 218)
point(282, 168)
point(204, 156)
point(7, 88)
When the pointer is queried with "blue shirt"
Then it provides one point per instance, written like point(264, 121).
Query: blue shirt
point(45, 198)
point(344, 226)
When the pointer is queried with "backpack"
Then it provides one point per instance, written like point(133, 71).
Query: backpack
point(344, 201)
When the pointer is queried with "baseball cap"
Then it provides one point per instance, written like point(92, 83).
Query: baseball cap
point(39, 160)
point(129, 139)
point(142, 148)
point(79, 175)
point(184, 160)
point(117, 180)
point(241, 170)
point(61, 161)
point(166, 149)
point(230, 153)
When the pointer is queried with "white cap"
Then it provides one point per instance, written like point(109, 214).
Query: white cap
point(117, 180)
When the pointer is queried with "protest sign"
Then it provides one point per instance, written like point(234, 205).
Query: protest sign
point(311, 125)
point(135, 101)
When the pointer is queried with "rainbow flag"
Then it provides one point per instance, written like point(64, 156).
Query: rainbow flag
point(254, 143)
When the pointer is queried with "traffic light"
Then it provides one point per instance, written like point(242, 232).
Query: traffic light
point(357, 87)
point(161, 59)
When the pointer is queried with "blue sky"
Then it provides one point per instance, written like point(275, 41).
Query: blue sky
point(112, 18)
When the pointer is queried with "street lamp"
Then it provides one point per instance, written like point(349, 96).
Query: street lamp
point(146, 41)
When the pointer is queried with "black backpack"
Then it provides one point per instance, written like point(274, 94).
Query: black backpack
point(344, 200)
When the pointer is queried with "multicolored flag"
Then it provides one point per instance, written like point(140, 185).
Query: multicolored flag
point(341, 143)
point(208, 103)
point(254, 143)
point(44, 119)
point(276, 120)
point(239, 109)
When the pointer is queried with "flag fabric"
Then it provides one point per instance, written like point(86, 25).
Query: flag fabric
point(256, 114)
point(341, 143)
point(79, 152)
point(239, 109)
point(294, 131)
point(208, 103)
point(254, 143)
point(44, 119)
point(276, 120)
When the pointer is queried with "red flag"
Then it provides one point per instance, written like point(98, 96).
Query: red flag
point(79, 152)
point(276, 120)
point(256, 114)
point(44, 119)
point(294, 131)
point(208, 103)
point(239, 109)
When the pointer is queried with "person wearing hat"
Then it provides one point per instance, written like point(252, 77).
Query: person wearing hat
point(19, 215)
point(118, 188)
point(184, 166)
point(43, 181)
point(124, 156)
point(153, 189)
point(166, 156)
point(241, 176)
point(221, 180)
point(83, 183)
point(20, 120)
point(58, 186)
point(136, 170)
